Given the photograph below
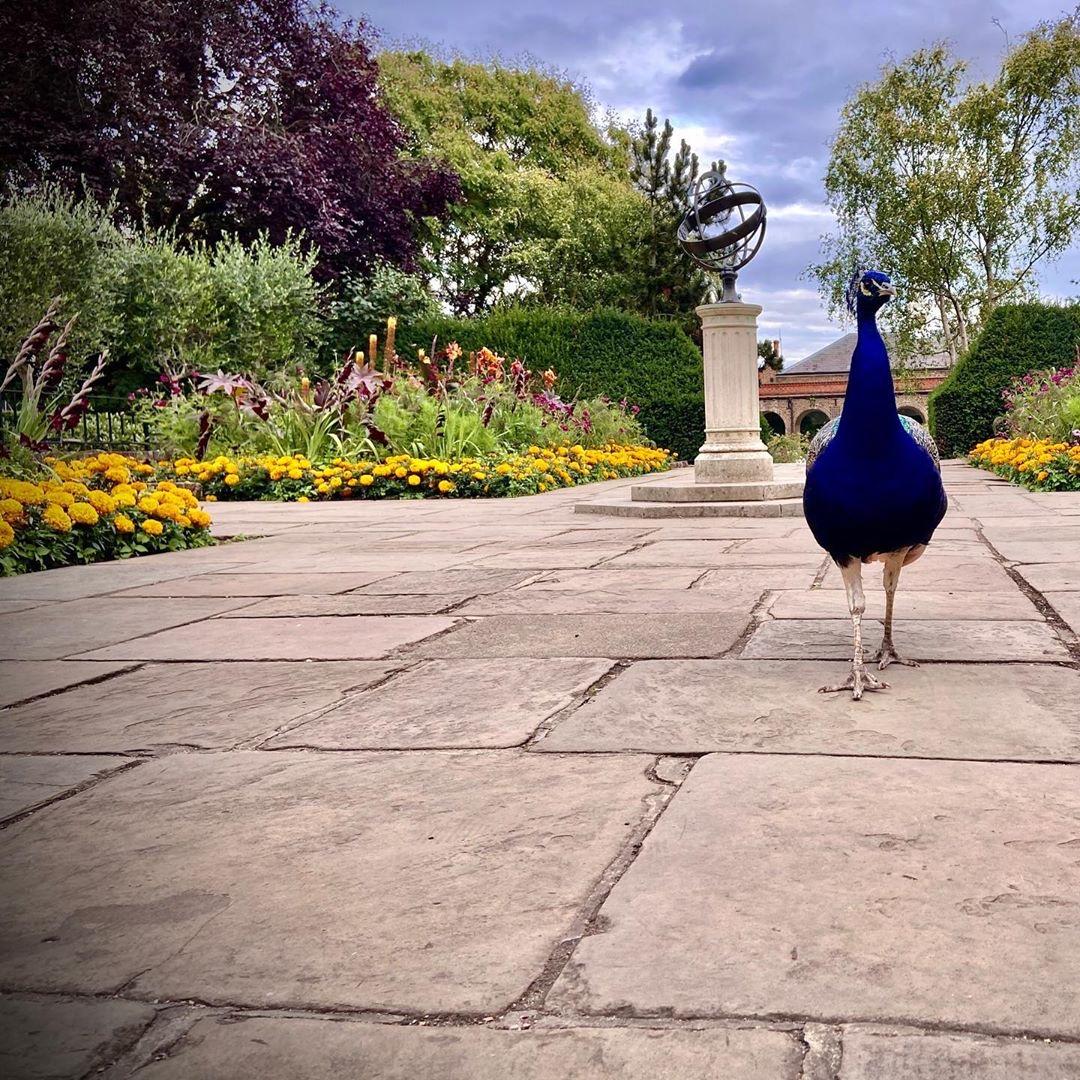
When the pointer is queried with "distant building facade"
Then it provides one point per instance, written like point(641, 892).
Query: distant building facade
point(808, 394)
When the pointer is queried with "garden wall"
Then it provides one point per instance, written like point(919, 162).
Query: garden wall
point(1016, 339)
point(652, 363)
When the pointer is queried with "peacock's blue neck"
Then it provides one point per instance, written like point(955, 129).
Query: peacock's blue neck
point(869, 415)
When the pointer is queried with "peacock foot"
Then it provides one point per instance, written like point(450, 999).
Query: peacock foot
point(859, 680)
point(887, 655)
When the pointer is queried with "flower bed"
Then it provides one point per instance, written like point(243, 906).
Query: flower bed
point(1038, 464)
point(107, 506)
point(296, 478)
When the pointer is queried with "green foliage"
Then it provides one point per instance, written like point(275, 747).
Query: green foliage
point(651, 363)
point(1016, 339)
point(958, 188)
point(53, 247)
point(363, 304)
point(787, 448)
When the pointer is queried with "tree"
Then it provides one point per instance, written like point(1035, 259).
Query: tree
point(213, 118)
point(769, 356)
point(669, 283)
point(547, 210)
point(958, 188)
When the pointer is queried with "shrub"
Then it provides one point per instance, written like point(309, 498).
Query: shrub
point(1016, 339)
point(53, 247)
point(788, 448)
point(651, 363)
point(1045, 404)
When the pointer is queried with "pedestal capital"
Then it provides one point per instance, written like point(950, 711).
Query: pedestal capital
point(739, 314)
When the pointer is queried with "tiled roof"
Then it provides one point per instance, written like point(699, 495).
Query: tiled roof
point(835, 359)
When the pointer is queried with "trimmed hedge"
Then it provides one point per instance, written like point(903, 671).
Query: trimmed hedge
point(650, 362)
point(1016, 339)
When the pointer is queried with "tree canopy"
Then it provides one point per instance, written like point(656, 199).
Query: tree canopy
point(232, 117)
point(959, 188)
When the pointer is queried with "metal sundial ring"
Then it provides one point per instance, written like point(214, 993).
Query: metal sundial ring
point(724, 227)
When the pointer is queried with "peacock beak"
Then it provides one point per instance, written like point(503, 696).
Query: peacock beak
point(885, 289)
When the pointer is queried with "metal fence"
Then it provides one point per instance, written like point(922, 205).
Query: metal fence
point(108, 425)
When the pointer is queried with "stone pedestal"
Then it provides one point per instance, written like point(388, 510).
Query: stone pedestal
point(733, 451)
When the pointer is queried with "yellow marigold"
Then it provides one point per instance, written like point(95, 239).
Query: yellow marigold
point(123, 524)
point(124, 498)
point(199, 518)
point(295, 474)
point(7, 535)
point(413, 480)
point(11, 510)
point(83, 514)
point(367, 480)
point(26, 493)
point(445, 486)
point(1042, 475)
point(117, 475)
point(232, 479)
point(152, 527)
point(73, 487)
point(101, 502)
point(59, 497)
point(55, 518)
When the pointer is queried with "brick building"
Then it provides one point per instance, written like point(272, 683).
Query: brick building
point(807, 394)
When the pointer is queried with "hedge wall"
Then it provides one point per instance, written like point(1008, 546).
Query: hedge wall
point(652, 363)
point(1016, 339)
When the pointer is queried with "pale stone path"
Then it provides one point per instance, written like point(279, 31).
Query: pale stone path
point(474, 791)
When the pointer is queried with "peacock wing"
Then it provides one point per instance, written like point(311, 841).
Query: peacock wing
point(922, 437)
point(820, 441)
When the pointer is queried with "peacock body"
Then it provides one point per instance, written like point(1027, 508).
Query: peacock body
point(873, 480)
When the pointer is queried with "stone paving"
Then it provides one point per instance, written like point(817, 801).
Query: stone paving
point(473, 791)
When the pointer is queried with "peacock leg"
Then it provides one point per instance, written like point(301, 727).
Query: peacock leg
point(860, 679)
point(887, 654)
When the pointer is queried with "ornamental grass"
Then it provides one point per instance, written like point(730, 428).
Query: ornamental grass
point(296, 478)
point(85, 510)
point(1038, 464)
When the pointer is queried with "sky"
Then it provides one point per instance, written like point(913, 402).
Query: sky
point(759, 83)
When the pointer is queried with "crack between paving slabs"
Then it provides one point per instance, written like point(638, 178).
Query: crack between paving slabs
point(585, 697)
point(90, 680)
point(823, 1054)
point(70, 792)
point(1047, 610)
point(758, 613)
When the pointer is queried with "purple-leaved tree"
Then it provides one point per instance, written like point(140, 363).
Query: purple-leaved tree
point(214, 117)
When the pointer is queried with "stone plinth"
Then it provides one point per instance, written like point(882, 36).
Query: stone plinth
point(733, 451)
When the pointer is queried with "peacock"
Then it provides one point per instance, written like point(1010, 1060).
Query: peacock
point(873, 481)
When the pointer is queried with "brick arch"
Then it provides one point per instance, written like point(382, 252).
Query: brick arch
point(776, 420)
point(820, 409)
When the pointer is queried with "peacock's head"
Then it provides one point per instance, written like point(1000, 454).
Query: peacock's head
point(869, 291)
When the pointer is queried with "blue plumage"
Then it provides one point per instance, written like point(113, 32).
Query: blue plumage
point(873, 485)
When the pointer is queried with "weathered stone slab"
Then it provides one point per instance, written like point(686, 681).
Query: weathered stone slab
point(331, 638)
point(1022, 711)
point(915, 639)
point(612, 636)
point(52, 631)
point(65, 1039)
point(1040, 549)
point(1052, 577)
point(75, 582)
point(349, 604)
point(884, 1056)
point(628, 579)
point(24, 679)
point(940, 573)
point(451, 703)
point(1067, 605)
point(205, 705)
point(283, 1049)
point(256, 584)
point(416, 881)
point(538, 601)
point(713, 553)
point(894, 891)
point(27, 782)
point(10, 607)
point(464, 582)
point(571, 557)
point(910, 604)
point(797, 577)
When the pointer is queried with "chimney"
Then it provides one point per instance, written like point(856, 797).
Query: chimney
point(776, 346)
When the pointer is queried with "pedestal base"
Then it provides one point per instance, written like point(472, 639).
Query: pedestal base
point(733, 467)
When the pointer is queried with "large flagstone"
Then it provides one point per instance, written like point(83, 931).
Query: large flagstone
point(204, 705)
point(1067, 605)
point(943, 573)
point(909, 604)
point(613, 636)
point(538, 601)
point(423, 881)
point(287, 1048)
point(1022, 711)
point(451, 703)
point(256, 584)
point(925, 892)
point(1052, 577)
point(328, 638)
point(915, 639)
point(21, 680)
point(469, 582)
